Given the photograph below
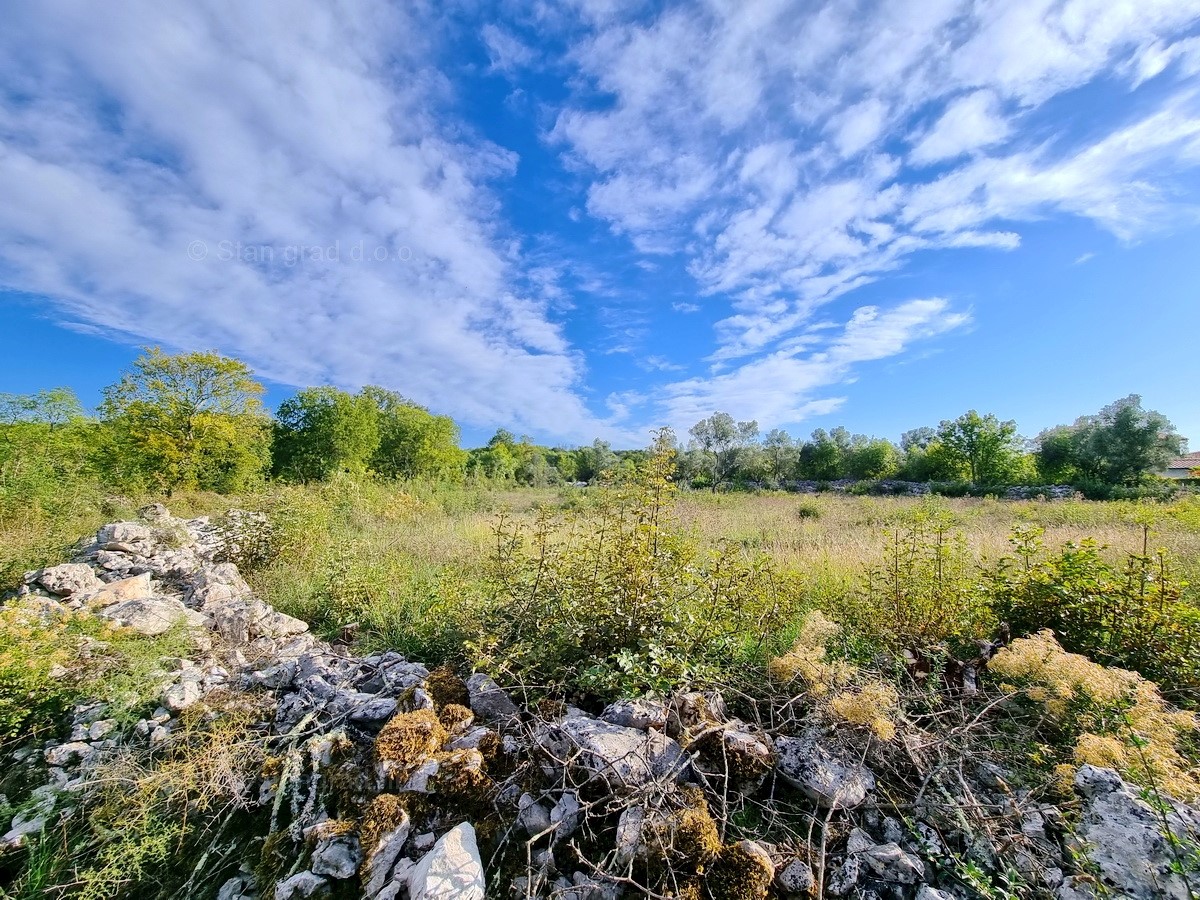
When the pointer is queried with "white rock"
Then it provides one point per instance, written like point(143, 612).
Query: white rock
point(125, 537)
point(302, 884)
point(821, 774)
point(65, 754)
point(153, 616)
point(68, 579)
point(452, 870)
point(381, 859)
point(178, 697)
point(640, 714)
point(137, 587)
point(1124, 839)
point(624, 758)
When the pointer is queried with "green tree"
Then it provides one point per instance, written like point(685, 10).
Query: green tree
point(983, 448)
point(872, 458)
point(597, 459)
point(823, 457)
point(1119, 445)
point(412, 441)
point(322, 430)
point(723, 442)
point(781, 454)
point(188, 420)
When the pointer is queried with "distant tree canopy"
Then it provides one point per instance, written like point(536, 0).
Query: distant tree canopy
point(196, 421)
point(324, 430)
point(190, 420)
point(1121, 444)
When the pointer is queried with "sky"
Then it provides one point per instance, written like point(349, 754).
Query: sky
point(592, 218)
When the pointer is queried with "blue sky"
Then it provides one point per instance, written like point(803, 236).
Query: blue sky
point(591, 218)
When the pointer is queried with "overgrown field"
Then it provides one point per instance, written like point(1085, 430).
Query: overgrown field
point(419, 567)
point(875, 619)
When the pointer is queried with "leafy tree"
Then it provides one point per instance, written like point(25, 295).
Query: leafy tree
point(872, 458)
point(1125, 442)
point(1119, 445)
point(723, 442)
point(985, 449)
point(822, 458)
point(323, 430)
point(597, 459)
point(412, 441)
point(188, 420)
point(781, 454)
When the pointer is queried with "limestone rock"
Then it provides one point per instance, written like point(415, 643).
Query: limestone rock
point(382, 858)
point(624, 758)
point(795, 878)
point(489, 701)
point(822, 774)
point(337, 856)
point(126, 537)
point(67, 579)
point(302, 885)
point(640, 714)
point(452, 870)
point(153, 615)
point(136, 587)
point(1124, 840)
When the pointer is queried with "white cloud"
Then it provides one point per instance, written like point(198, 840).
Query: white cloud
point(782, 387)
point(968, 123)
point(128, 137)
point(794, 192)
point(506, 51)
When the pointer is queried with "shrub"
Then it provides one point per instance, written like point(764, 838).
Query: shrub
point(924, 592)
point(1109, 716)
point(1133, 615)
point(618, 599)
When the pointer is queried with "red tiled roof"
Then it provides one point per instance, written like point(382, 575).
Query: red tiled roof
point(1187, 461)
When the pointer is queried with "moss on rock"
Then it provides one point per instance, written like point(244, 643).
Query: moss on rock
point(741, 871)
point(446, 688)
point(384, 814)
point(406, 741)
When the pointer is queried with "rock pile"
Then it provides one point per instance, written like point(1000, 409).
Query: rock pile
point(388, 780)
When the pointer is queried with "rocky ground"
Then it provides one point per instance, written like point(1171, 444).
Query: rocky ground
point(382, 779)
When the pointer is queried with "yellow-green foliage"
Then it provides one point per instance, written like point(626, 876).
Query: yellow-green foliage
point(1118, 718)
point(88, 658)
point(408, 739)
point(808, 662)
point(845, 692)
point(738, 873)
point(873, 704)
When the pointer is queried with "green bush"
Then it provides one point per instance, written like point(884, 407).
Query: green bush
point(618, 600)
point(1133, 614)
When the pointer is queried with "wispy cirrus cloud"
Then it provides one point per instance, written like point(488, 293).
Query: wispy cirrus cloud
point(289, 188)
point(793, 170)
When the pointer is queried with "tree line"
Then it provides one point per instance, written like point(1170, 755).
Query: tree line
point(196, 421)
